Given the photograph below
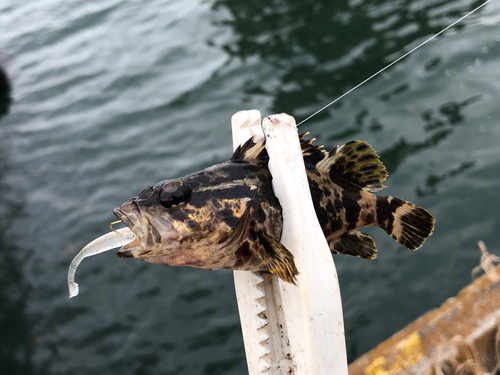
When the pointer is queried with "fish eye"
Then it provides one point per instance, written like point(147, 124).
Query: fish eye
point(174, 194)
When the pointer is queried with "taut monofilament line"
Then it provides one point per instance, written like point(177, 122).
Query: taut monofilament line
point(394, 62)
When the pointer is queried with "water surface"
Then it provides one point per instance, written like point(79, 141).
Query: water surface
point(110, 96)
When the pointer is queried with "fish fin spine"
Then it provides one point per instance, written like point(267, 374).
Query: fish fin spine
point(253, 150)
point(311, 154)
point(356, 162)
point(405, 222)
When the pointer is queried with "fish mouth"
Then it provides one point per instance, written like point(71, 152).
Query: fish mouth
point(134, 248)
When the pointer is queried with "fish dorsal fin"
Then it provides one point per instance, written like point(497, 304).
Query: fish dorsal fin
point(356, 162)
point(312, 154)
point(355, 243)
point(253, 150)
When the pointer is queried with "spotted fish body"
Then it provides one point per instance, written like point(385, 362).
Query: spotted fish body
point(227, 216)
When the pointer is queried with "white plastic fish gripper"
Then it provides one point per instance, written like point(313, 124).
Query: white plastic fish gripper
point(286, 328)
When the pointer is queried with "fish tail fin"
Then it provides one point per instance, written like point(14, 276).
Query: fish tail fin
point(407, 223)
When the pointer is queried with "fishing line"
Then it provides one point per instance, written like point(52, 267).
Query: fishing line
point(394, 62)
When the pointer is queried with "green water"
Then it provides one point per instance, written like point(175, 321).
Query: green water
point(110, 96)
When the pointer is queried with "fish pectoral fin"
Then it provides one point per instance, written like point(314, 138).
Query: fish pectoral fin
point(357, 162)
point(239, 230)
point(355, 243)
point(277, 259)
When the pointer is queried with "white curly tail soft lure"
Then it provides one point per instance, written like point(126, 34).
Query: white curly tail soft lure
point(112, 240)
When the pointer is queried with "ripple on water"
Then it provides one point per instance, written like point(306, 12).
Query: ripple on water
point(111, 96)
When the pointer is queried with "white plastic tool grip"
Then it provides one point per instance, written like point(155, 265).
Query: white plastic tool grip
point(287, 328)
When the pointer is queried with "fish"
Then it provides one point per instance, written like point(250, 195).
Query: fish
point(228, 217)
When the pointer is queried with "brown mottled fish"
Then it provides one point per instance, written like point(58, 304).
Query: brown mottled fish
point(227, 216)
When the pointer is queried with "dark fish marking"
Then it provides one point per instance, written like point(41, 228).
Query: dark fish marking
point(243, 254)
point(386, 207)
point(362, 147)
point(223, 238)
point(201, 197)
point(227, 216)
point(252, 235)
point(324, 217)
point(369, 219)
point(352, 210)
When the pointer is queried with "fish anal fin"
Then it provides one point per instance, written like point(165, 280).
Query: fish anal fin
point(277, 259)
point(355, 243)
point(357, 162)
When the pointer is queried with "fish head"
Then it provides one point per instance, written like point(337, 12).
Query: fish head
point(184, 221)
point(149, 216)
